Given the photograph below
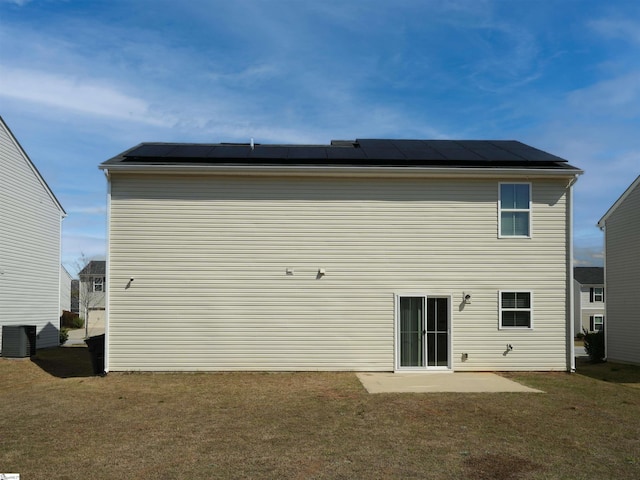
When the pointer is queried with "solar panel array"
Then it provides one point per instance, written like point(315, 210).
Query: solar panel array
point(358, 152)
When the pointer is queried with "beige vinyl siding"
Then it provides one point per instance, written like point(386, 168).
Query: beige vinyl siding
point(209, 258)
point(29, 246)
point(622, 244)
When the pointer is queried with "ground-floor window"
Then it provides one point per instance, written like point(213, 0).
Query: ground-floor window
point(597, 323)
point(515, 309)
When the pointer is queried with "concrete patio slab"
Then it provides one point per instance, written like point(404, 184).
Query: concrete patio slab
point(439, 382)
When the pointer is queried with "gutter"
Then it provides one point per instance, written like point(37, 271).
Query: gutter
point(262, 170)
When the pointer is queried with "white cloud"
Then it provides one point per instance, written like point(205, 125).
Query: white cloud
point(619, 95)
point(588, 256)
point(95, 210)
point(618, 28)
point(248, 75)
point(20, 3)
point(82, 95)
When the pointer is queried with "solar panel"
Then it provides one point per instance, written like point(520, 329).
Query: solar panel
point(346, 153)
point(363, 152)
point(453, 150)
point(417, 150)
point(531, 153)
point(307, 153)
point(491, 151)
point(191, 151)
point(380, 149)
point(230, 151)
point(271, 151)
point(151, 150)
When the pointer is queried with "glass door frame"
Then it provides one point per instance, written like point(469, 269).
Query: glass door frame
point(397, 339)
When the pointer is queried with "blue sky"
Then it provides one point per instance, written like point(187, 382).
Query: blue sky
point(81, 81)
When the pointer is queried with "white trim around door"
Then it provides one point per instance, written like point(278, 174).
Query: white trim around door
point(422, 332)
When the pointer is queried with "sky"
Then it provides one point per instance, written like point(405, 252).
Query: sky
point(81, 81)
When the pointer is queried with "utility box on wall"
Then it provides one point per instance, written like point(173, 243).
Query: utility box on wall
point(18, 341)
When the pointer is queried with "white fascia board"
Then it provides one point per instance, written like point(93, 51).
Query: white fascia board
point(343, 171)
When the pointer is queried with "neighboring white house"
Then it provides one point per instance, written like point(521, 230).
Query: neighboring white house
point(30, 222)
point(365, 255)
point(91, 292)
point(589, 301)
point(621, 226)
point(65, 290)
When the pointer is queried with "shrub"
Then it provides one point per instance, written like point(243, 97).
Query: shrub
point(594, 345)
point(64, 335)
point(580, 336)
point(71, 320)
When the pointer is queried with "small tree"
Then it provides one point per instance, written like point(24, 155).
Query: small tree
point(91, 287)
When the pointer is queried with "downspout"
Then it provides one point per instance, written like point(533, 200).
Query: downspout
point(59, 278)
point(571, 363)
point(108, 279)
point(603, 228)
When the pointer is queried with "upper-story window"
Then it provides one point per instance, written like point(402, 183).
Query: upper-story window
point(597, 294)
point(98, 284)
point(515, 210)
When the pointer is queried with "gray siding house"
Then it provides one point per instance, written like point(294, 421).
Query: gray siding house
point(30, 218)
point(589, 300)
point(365, 255)
point(621, 226)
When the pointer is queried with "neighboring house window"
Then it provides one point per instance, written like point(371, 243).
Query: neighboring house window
point(515, 309)
point(597, 323)
point(597, 294)
point(98, 284)
point(515, 210)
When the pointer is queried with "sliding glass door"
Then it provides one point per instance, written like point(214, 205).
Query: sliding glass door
point(423, 332)
point(412, 331)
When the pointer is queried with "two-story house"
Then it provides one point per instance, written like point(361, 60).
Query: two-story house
point(92, 289)
point(621, 226)
point(369, 255)
point(30, 244)
point(588, 299)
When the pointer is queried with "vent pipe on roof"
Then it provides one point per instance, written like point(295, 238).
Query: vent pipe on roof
point(252, 144)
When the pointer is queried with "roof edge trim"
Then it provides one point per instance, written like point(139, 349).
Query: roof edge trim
point(351, 170)
point(34, 168)
point(601, 223)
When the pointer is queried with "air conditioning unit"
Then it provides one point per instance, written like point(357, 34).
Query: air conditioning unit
point(18, 341)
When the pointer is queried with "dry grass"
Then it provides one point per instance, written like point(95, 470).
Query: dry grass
point(57, 422)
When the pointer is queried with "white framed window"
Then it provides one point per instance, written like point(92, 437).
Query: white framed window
point(597, 323)
point(98, 284)
point(516, 309)
point(597, 294)
point(514, 210)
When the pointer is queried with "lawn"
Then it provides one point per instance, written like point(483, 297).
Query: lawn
point(56, 421)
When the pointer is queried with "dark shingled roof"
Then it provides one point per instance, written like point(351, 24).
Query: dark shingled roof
point(589, 275)
point(94, 267)
point(360, 152)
